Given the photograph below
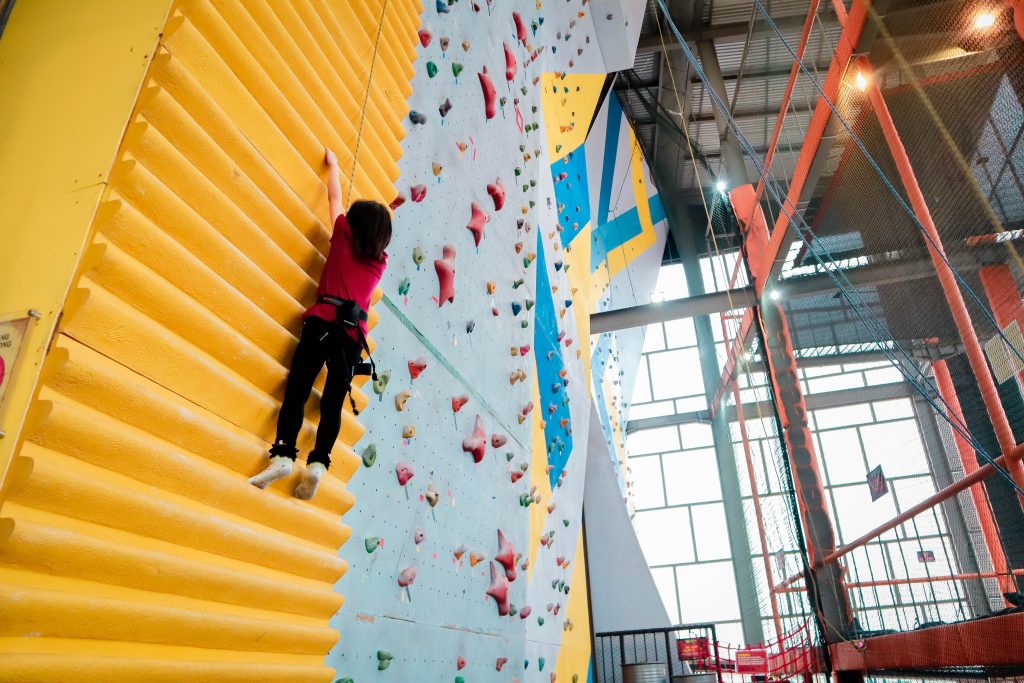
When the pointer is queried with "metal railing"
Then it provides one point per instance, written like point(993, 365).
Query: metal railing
point(684, 650)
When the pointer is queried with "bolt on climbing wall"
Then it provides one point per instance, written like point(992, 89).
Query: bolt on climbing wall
point(468, 563)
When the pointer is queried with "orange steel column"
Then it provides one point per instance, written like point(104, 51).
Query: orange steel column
point(969, 460)
point(954, 298)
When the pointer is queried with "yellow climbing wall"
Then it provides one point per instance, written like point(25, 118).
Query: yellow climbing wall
point(131, 546)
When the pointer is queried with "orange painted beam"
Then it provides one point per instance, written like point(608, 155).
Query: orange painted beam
point(992, 641)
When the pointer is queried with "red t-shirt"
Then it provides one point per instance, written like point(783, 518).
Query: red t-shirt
point(346, 276)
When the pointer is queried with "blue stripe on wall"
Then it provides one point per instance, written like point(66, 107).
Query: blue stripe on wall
point(571, 194)
point(550, 362)
point(621, 229)
point(611, 150)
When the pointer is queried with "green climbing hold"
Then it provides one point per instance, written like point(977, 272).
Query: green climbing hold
point(540, 621)
point(503, 101)
point(512, 610)
point(532, 203)
point(372, 543)
point(524, 324)
point(540, 660)
point(565, 522)
point(554, 584)
point(526, 262)
point(347, 679)
point(369, 455)
point(456, 69)
point(523, 89)
point(526, 188)
point(431, 69)
point(575, 678)
point(384, 659)
point(403, 286)
point(518, 171)
point(533, 183)
point(529, 304)
point(522, 148)
point(509, 455)
point(518, 283)
point(381, 383)
point(460, 679)
point(558, 148)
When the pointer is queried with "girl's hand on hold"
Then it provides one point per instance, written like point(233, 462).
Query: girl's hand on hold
point(330, 158)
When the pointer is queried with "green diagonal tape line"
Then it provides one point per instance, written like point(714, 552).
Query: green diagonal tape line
point(436, 353)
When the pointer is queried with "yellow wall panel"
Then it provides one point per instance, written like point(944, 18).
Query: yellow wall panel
point(131, 546)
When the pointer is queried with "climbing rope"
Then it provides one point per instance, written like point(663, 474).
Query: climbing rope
point(366, 100)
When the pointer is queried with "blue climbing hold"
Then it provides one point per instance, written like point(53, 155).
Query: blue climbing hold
point(442, 7)
point(516, 308)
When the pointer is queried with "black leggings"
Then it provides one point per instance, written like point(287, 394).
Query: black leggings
point(320, 342)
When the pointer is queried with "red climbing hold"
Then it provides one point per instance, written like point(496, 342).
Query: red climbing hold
point(445, 268)
point(515, 476)
point(520, 27)
point(525, 611)
point(476, 222)
point(397, 201)
point(425, 37)
point(506, 556)
point(418, 192)
point(417, 366)
point(499, 590)
point(477, 442)
point(501, 661)
point(458, 402)
point(497, 192)
point(498, 440)
point(407, 576)
point(489, 95)
point(510, 63)
point(524, 349)
point(460, 663)
point(405, 472)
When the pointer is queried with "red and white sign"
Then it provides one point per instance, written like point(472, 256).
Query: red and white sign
point(752, 660)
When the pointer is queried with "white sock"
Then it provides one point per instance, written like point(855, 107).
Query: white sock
point(310, 480)
point(279, 468)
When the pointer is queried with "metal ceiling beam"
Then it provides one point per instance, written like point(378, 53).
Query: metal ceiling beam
point(677, 309)
point(751, 115)
point(737, 29)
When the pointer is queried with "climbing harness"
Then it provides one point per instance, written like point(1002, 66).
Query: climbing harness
point(349, 314)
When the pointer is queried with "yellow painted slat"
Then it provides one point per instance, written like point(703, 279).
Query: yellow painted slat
point(131, 546)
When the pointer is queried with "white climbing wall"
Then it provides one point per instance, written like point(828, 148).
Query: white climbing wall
point(473, 346)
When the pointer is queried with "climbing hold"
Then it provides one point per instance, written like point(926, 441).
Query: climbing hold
point(540, 663)
point(497, 192)
point(381, 383)
point(519, 247)
point(425, 36)
point(501, 661)
point(418, 192)
point(487, 87)
point(518, 283)
point(515, 476)
point(460, 663)
point(436, 168)
point(510, 63)
point(443, 110)
point(418, 257)
point(369, 455)
point(408, 431)
point(460, 551)
point(565, 522)
point(372, 543)
point(445, 268)
point(460, 679)
point(417, 118)
point(517, 376)
point(524, 349)
point(551, 508)
point(498, 440)
point(432, 495)
point(516, 308)
point(405, 472)
point(470, 326)
point(499, 590)
point(540, 621)
point(476, 558)
point(401, 398)
point(476, 443)
point(404, 286)
point(416, 367)
point(476, 222)
point(407, 576)
point(442, 7)
point(384, 659)
point(520, 27)
point(509, 455)
point(524, 612)
point(456, 69)
point(445, 42)
point(431, 69)
point(491, 287)
point(397, 201)
point(506, 556)
point(458, 402)
point(418, 536)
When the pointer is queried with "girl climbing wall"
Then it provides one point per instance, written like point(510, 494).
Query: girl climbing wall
point(333, 332)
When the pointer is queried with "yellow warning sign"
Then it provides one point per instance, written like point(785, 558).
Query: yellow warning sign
point(12, 336)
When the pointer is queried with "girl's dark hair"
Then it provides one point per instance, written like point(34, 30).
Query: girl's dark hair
point(371, 229)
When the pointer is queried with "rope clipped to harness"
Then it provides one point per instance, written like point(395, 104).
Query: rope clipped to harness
point(349, 314)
